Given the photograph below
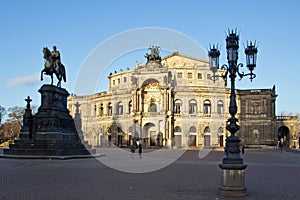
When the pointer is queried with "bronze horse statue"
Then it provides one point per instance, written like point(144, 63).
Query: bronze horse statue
point(52, 67)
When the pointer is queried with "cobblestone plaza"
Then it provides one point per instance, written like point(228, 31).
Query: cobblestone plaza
point(271, 174)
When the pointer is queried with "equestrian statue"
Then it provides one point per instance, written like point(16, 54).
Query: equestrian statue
point(53, 65)
point(154, 56)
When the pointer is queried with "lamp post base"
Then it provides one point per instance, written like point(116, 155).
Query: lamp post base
point(233, 180)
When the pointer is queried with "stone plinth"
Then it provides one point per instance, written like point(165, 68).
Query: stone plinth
point(53, 121)
point(51, 132)
point(233, 180)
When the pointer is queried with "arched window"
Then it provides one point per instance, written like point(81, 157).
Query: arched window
point(153, 107)
point(206, 107)
point(130, 107)
point(192, 106)
point(220, 130)
point(177, 106)
point(120, 108)
point(220, 108)
point(178, 129)
point(109, 109)
point(207, 129)
point(192, 129)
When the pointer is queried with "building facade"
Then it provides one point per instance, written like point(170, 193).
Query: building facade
point(173, 102)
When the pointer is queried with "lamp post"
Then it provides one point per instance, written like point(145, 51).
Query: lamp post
point(233, 169)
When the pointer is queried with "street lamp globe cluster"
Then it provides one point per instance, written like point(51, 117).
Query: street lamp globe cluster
point(232, 149)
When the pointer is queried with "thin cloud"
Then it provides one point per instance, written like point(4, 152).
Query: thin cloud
point(23, 80)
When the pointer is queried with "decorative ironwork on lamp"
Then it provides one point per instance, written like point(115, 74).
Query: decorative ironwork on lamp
point(214, 55)
point(232, 149)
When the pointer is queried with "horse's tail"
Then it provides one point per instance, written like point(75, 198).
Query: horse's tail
point(64, 73)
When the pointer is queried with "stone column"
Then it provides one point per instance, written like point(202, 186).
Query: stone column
point(139, 101)
point(169, 99)
point(165, 99)
point(168, 131)
point(133, 100)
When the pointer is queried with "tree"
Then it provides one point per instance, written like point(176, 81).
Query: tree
point(15, 114)
point(2, 113)
point(11, 128)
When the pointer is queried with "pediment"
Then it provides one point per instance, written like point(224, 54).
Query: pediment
point(179, 60)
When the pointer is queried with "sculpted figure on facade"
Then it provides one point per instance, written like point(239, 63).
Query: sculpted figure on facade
point(154, 55)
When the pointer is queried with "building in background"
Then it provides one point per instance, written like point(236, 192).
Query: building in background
point(174, 102)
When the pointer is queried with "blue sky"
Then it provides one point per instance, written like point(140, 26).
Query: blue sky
point(77, 27)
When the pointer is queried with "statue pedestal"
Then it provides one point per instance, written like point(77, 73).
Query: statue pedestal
point(51, 132)
point(233, 180)
point(53, 121)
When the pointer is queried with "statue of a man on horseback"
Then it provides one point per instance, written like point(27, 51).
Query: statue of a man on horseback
point(53, 65)
point(56, 57)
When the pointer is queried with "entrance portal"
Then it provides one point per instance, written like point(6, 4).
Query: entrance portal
point(177, 139)
point(153, 138)
point(206, 140)
point(284, 135)
point(192, 140)
point(221, 140)
point(149, 133)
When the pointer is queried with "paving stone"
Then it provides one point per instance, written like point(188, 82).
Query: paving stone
point(270, 174)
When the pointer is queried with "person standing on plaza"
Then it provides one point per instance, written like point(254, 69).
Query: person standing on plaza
point(132, 148)
point(140, 150)
point(281, 144)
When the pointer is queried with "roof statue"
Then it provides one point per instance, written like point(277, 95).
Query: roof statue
point(154, 55)
point(53, 65)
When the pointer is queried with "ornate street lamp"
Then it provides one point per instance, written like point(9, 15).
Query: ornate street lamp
point(214, 55)
point(232, 160)
point(232, 45)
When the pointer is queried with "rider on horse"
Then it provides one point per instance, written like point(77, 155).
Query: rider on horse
point(53, 65)
point(55, 55)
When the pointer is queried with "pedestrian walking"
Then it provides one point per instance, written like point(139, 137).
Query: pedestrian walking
point(132, 148)
point(276, 145)
point(281, 144)
point(140, 150)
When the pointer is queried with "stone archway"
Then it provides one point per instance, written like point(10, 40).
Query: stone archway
point(178, 136)
point(207, 137)
point(192, 137)
point(283, 134)
point(221, 136)
point(149, 134)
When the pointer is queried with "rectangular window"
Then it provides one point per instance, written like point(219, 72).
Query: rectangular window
point(114, 82)
point(101, 110)
point(125, 79)
point(119, 81)
point(208, 76)
point(220, 109)
point(190, 75)
point(199, 76)
point(179, 75)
